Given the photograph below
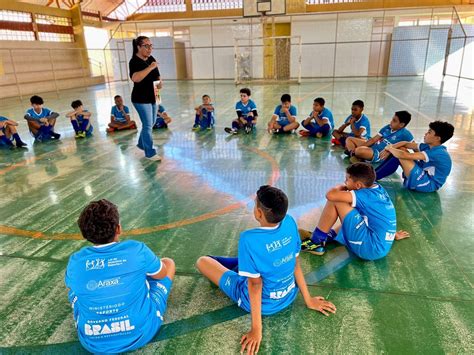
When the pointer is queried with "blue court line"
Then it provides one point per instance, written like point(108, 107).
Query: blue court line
point(194, 323)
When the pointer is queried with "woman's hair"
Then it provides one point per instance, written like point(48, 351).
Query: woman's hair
point(138, 42)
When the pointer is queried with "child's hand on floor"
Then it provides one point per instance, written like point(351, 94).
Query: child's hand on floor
point(319, 304)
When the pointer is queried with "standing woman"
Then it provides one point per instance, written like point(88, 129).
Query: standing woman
point(144, 72)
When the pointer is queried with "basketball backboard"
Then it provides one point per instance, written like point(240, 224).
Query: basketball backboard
point(264, 7)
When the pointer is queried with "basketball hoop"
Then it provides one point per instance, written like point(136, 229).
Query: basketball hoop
point(264, 6)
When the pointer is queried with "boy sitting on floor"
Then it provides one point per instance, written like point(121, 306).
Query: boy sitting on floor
point(162, 118)
point(204, 115)
point(427, 169)
point(323, 120)
point(118, 290)
point(366, 213)
point(80, 120)
point(246, 114)
point(41, 120)
point(8, 132)
point(120, 116)
point(373, 149)
point(269, 272)
point(357, 121)
point(284, 117)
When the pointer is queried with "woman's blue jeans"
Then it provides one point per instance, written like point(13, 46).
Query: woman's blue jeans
point(147, 114)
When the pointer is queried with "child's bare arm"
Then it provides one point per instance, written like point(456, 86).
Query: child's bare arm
point(402, 154)
point(339, 193)
point(405, 144)
point(86, 114)
point(71, 114)
point(317, 303)
point(11, 122)
point(251, 340)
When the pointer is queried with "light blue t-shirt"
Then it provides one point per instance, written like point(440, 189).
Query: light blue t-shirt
point(325, 114)
point(119, 116)
point(45, 112)
point(270, 253)
point(364, 122)
point(245, 109)
point(378, 212)
point(110, 297)
point(437, 164)
point(282, 118)
point(391, 137)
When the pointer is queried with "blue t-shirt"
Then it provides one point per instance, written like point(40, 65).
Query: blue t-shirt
point(325, 114)
point(3, 119)
point(245, 109)
point(110, 295)
point(437, 163)
point(160, 109)
point(119, 115)
point(378, 212)
point(363, 121)
point(45, 112)
point(282, 118)
point(270, 253)
point(80, 117)
point(391, 137)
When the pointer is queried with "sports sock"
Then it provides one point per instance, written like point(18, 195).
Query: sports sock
point(230, 263)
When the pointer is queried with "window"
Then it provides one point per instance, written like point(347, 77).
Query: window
point(53, 20)
point(156, 6)
point(205, 5)
point(15, 16)
point(11, 35)
point(15, 25)
point(55, 37)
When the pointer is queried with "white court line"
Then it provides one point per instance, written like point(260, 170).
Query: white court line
point(408, 106)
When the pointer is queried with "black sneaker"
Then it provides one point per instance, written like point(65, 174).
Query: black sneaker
point(231, 130)
point(55, 135)
point(248, 128)
point(21, 144)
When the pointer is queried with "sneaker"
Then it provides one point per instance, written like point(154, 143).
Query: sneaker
point(335, 141)
point(110, 130)
point(156, 157)
point(307, 245)
point(276, 131)
point(354, 159)
point(83, 134)
point(209, 128)
point(319, 135)
point(196, 128)
point(78, 135)
point(55, 135)
point(21, 144)
point(304, 133)
point(134, 126)
point(248, 129)
point(231, 130)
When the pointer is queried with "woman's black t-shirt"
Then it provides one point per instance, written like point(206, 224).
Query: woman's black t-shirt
point(143, 92)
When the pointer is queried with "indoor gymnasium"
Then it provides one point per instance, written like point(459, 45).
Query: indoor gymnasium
point(236, 176)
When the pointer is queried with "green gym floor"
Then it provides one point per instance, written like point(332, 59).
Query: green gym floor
point(419, 299)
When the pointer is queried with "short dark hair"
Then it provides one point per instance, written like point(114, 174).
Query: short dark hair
point(117, 96)
point(285, 98)
point(76, 103)
point(358, 103)
point(205, 95)
point(273, 202)
point(443, 130)
point(246, 91)
point(98, 222)
point(37, 100)
point(363, 172)
point(403, 117)
point(320, 101)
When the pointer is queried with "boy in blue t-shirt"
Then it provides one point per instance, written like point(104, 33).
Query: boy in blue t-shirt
point(118, 290)
point(373, 149)
point(246, 114)
point(8, 132)
point(357, 121)
point(120, 117)
point(269, 273)
point(162, 118)
point(204, 115)
point(366, 212)
point(80, 120)
point(284, 117)
point(41, 120)
point(323, 120)
point(428, 167)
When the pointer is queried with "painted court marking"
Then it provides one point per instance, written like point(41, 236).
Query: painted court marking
point(407, 106)
point(275, 175)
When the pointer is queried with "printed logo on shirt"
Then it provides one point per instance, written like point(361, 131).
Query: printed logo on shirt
point(284, 260)
point(93, 285)
point(108, 328)
point(96, 264)
point(285, 241)
point(276, 295)
point(115, 262)
point(274, 246)
point(390, 236)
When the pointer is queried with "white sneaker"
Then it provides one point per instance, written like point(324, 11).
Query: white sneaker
point(156, 157)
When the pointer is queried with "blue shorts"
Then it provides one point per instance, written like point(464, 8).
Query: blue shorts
point(419, 180)
point(231, 284)
point(160, 123)
point(376, 158)
point(358, 238)
point(283, 123)
point(159, 292)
